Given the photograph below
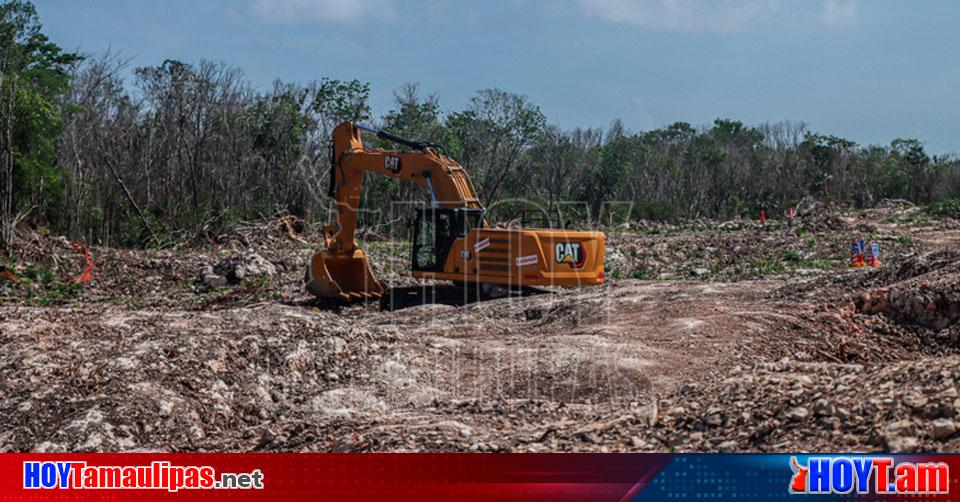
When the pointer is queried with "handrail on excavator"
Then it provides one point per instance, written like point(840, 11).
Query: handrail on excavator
point(380, 133)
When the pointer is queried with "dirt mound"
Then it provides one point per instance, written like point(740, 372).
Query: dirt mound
point(929, 299)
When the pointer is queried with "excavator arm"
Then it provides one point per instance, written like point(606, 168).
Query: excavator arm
point(445, 180)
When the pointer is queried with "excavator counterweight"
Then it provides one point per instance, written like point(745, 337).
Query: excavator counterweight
point(451, 239)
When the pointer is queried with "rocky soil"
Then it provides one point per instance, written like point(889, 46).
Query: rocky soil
point(709, 336)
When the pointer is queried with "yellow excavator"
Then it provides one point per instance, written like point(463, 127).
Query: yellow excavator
point(451, 239)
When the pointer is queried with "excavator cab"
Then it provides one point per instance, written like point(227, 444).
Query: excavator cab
point(434, 232)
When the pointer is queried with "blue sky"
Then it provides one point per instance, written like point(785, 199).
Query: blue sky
point(870, 70)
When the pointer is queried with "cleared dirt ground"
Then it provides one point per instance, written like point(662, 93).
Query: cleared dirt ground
point(711, 336)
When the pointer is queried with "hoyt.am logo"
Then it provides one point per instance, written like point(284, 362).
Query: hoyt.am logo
point(876, 475)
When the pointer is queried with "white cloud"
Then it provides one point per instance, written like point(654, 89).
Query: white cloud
point(323, 11)
point(684, 15)
point(644, 117)
point(838, 13)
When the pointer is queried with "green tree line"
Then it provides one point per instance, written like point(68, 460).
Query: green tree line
point(138, 158)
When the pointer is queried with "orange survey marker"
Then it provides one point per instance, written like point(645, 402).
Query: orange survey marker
point(87, 274)
point(856, 253)
point(871, 255)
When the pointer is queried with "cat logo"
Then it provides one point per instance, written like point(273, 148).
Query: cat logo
point(391, 163)
point(571, 253)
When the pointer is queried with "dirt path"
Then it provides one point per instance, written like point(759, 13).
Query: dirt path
point(135, 379)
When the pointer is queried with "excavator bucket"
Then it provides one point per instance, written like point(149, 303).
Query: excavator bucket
point(344, 277)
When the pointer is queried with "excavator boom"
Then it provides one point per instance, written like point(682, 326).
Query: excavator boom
point(451, 241)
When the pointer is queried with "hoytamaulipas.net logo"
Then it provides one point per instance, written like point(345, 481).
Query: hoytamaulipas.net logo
point(868, 475)
point(159, 475)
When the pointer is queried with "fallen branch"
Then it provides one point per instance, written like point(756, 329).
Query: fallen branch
point(288, 223)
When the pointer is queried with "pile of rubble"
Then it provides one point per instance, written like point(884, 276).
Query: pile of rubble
point(930, 299)
point(236, 269)
point(787, 406)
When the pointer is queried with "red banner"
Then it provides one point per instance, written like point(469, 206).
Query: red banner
point(293, 477)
